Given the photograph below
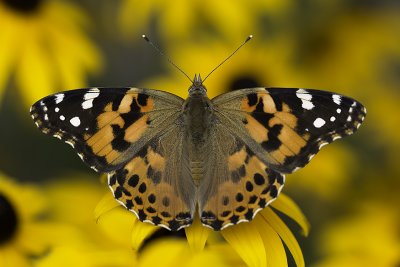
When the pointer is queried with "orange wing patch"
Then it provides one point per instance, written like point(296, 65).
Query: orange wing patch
point(273, 129)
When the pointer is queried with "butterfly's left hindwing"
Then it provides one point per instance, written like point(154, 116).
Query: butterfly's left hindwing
point(106, 126)
point(286, 127)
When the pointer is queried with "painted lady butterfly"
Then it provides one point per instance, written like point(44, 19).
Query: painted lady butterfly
point(167, 157)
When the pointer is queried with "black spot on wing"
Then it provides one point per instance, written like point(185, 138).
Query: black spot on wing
point(252, 99)
point(273, 142)
point(119, 143)
point(142, 99)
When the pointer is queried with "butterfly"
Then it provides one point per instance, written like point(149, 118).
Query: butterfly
point(168, 158)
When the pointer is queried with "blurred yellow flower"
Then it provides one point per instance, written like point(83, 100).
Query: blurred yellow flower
point(258, 243)
point(172, 252)
point(22, 234)
point(361, 55)
point(329, 174)
point(43, 45)
point(100, 243)
point(367, 238)
point(258, 63)
point(66, 256)
point(182, 18)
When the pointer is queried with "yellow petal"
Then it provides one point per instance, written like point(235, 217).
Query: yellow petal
point(287, 206)
point(10, 43)
point(35, 73)
point(106, 204)
point(274, 249)
point(197, 235)
point(208, 258)
point(247, 242)
point(167, 252)
point(11, 257)
point(140, 232)
point(286, 235)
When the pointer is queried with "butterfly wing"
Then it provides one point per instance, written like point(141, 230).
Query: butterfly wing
point(106, 126)
point(156, 184)
point(260, 135)
point(236, 183)
point(133, 135)
point(286, 127)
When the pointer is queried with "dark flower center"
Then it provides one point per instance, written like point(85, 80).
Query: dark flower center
point(25, 6)
point(244, 81)
point(162, 233)
point(8, 220)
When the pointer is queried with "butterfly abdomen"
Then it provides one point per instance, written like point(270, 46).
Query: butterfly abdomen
point(196, 168)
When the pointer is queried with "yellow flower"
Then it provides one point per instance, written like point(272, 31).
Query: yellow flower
point(181, 18)
point(173, 252)
point(258, 63)
point(367, 238)
point(360, 58)
point(43, 45)
point(22, 234)
point(100, 242)
point(258, 243)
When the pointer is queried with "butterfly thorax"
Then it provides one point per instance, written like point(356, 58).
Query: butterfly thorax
point(197, 115)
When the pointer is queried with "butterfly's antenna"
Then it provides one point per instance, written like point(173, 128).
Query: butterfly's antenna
point(164, 55)
point(234, 52)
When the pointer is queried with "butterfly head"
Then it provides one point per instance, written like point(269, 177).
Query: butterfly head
point(197, 87)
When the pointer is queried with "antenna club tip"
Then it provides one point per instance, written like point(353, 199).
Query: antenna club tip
point(145, 37)
point(249, 37)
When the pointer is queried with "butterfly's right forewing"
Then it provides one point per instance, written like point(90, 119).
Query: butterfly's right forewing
point(106, 126)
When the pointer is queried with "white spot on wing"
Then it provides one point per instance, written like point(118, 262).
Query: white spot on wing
point(46, 117)
point(305, 98)
point(349, 118)
point(337, 99)
point(87, 104)
point(338, 110)
point(59, 98)
point(94, 90)
point(75, 121)
point(62, 117)
point(336, 137)
point(301, 91)
point(318, 123)
point(333, 119)
point(56, 109)
point(91, 95)
point(322, 145)
point(70, 143)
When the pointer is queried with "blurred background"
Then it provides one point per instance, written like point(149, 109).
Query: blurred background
point(349, 192)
